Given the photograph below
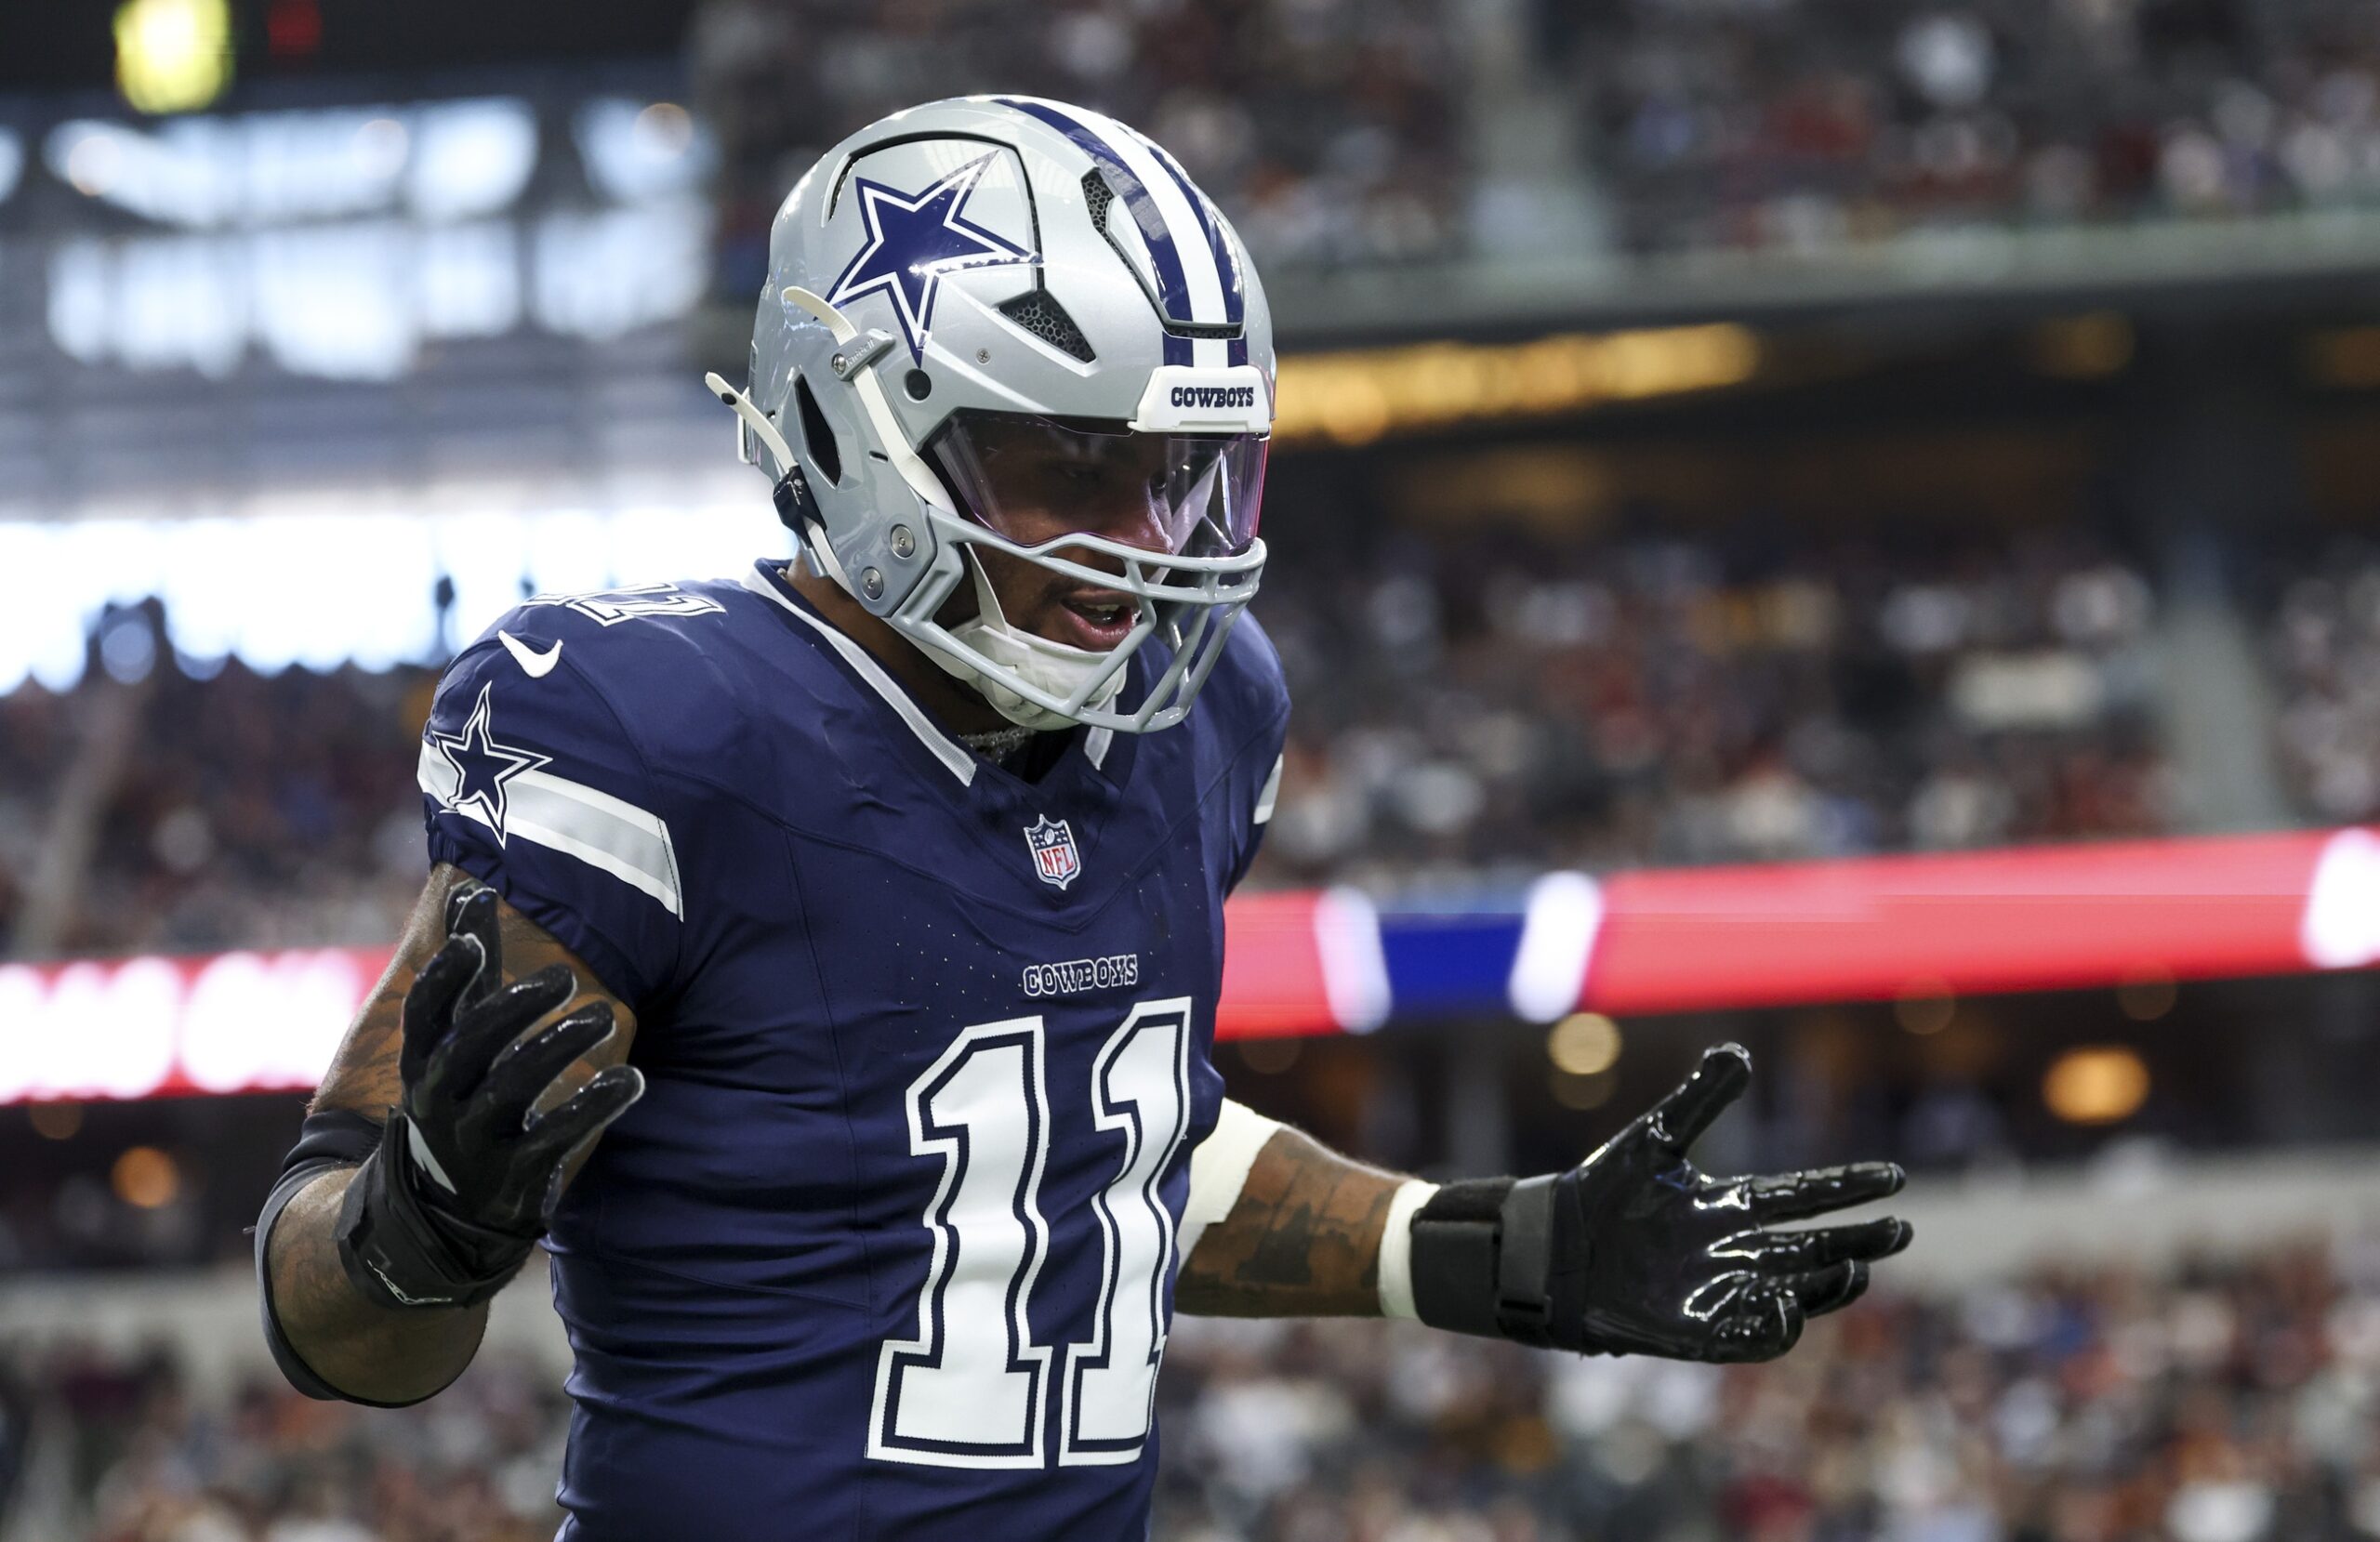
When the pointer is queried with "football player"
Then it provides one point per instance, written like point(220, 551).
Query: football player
point(871, 909)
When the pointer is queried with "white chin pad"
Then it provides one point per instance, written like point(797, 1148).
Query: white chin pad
point(1055, 667)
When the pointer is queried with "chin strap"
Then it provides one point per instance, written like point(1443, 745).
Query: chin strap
point(1053, 666)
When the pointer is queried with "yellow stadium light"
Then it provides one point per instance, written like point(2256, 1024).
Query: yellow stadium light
point(2089, 347)
point(1584, 1044)
point(1356, 397)
point(146, 1177)
point(2096, 1086)
point(173, 56)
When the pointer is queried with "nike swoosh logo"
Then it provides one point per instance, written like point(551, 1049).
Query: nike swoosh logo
point(533, 664)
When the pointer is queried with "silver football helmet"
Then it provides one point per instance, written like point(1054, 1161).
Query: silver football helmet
point(999, 325)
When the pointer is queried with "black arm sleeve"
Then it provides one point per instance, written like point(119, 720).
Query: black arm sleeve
point(328, 1141)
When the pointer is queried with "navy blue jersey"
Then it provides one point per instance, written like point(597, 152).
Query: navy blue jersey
point(888, 1248)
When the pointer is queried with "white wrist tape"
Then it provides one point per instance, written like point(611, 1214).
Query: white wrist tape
point(1219, 1168)
point(1396, 1249)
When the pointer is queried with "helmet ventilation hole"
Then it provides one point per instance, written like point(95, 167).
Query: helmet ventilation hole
point(816, 436)
point(1096, 196)
point(1041, 315)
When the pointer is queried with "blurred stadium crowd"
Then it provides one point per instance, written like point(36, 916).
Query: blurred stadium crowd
point(1634, 697)
point(1461, 719)
point(1467, 713)
point(2323, 640)
point(1663, 699)
point(1340, 132)
point(2207, 1401)
point(1330, 131)
point(1761, 124)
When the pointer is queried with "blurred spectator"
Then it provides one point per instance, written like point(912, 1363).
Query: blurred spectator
point(2206, 1401)
point(119, 1451)
point(1339, 131)
point(1661, 699)
point(37, 731)
point(1330, 132)
point(1795, 125)
point(1465, 710)
point(259, 812)
point(2323, 642)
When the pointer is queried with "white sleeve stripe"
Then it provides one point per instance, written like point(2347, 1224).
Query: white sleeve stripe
point(606, 833)
point(435, 776)
point(1272, 792)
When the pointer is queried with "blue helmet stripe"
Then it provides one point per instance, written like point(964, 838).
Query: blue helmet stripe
point(1226, 271)
point(1173, 286)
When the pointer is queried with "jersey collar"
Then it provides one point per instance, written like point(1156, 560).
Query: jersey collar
point(767, 578)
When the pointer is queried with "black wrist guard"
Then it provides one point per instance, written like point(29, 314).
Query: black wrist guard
point(1635, 1252)
point(401, 1249)
point(1489, 1259)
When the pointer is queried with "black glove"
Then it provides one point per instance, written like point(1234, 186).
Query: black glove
point(1635, 1252)
point(467, 1172)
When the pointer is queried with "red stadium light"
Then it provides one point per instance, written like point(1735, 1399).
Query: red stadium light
point(147, 1027)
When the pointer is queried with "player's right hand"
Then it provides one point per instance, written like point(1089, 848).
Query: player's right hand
point(447, 1208)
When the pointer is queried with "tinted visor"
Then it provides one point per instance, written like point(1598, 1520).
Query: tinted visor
point(1032, 479)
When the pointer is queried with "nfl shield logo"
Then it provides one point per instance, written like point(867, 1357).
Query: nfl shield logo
point(1055, 856)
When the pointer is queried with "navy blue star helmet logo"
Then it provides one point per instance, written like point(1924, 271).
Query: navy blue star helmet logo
point(913, 240)
point(482, 767)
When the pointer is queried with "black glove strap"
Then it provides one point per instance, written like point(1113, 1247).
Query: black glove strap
point(1524, 1262)
point(1455, 1257)
point(402, 1251)
point(1485, 1256)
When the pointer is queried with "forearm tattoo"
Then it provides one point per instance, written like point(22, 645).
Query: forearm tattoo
point(1302, 1241)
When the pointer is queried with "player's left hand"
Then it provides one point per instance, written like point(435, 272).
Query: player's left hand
point(1636, 1251)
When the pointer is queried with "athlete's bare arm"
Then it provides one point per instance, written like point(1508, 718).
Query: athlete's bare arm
point(1302, 1241)
point(369, 1351)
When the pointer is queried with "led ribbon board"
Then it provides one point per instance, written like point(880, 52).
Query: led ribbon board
point(1331, 961)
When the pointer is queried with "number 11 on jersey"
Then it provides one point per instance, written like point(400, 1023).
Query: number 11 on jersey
point(971, 1388)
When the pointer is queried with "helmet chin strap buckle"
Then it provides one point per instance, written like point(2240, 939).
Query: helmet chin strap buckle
point(797, 505)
